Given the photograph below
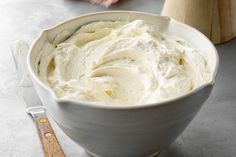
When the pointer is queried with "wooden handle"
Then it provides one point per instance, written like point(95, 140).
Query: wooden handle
point(51, 146)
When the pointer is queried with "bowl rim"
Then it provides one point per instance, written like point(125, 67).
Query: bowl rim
point(120, 107)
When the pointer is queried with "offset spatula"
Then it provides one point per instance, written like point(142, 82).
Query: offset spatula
point(33, 104)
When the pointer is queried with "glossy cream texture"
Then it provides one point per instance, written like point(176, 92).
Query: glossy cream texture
point(124, 63)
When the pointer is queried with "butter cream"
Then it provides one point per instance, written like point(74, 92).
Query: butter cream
point(124, 63)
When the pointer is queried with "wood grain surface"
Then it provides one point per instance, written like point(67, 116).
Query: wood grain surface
point(215, 18)
point(50, 144)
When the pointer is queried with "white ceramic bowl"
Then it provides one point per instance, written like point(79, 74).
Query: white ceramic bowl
point(135, 131)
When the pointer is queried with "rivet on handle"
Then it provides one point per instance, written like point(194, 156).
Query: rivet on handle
point(48, 134)
point(43, 120)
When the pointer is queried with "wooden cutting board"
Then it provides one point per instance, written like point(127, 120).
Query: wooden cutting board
point(215, 18)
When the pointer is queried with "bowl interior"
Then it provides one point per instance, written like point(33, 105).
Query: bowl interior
point(48, 39)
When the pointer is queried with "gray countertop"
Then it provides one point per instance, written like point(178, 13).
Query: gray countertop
point(211, 134)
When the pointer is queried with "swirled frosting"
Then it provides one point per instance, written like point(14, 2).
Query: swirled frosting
point(124, 63)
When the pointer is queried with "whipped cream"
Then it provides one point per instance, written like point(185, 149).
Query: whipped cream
point(124, 63)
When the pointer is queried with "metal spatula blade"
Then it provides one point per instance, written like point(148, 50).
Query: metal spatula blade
point(33, 104)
